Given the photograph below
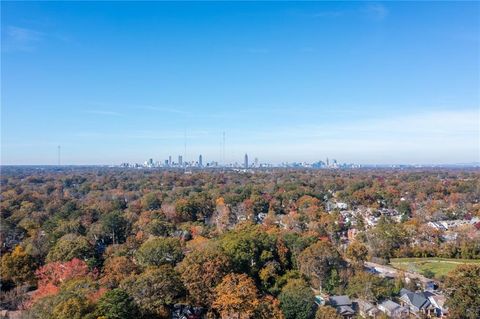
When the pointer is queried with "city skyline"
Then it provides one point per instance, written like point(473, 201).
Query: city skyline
point(113, 82)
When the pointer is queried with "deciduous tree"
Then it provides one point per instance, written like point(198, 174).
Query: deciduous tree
point(201, 271)
point(18, 266)
point(462, 287)
point(297, 300)
point(327, 312)
point(236, 297)
point(155, 289)
point(357, 253)
point(116, 304)
point(52, 275)
point(317, 262)
point(159, 251)
point(69, 247)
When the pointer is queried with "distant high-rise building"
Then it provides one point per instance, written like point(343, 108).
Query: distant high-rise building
point(149, 163)
point(245, 161)
point(328, 164)
point(256, 161)
point(170, 160)
point(180, 160)
point(200, 161)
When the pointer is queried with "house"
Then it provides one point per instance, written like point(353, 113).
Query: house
point(437, 226)
point(366, 309)
point(438, 302)
point(343, 305)
point(417, 303)
point(393, 309)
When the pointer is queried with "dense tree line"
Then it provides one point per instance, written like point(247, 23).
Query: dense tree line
point(110, 243)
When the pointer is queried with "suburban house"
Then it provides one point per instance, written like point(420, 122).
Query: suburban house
point(343, 305)
point(393, 310)
point(366, 309)
point(417, 303)
point(438, 302)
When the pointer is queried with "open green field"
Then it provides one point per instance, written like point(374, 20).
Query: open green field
point(430, 267)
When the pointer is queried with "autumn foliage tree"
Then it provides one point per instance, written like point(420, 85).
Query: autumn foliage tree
point(52, 275)
point(269, 308)
point(116, 269)
point(155, 290)
point(317, 262)
point(18, 266)
point(357, 253)
point(236, 297)
point(327, 312)
point(201, 271)
point(462, 287)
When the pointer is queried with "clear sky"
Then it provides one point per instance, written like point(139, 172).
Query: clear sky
point(357, 81)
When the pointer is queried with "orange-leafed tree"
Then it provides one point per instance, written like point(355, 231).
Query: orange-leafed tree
point(222, 215)
point(116, 269)
point(201, 271)
point(236, 297)
point(269, 308)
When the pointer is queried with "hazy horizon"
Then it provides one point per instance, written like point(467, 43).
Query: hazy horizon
point(360, 82)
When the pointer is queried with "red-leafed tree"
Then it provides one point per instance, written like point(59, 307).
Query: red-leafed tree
point(52, 275)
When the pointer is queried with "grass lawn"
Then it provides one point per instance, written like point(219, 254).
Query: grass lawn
point(430, 267)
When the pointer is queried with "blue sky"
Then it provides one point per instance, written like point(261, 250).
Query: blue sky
point(364, 82)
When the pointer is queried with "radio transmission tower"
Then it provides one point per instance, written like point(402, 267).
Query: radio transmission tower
point(223, 148)
point(185, 144)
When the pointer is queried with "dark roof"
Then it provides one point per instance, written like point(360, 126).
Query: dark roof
point(337, 301)
point(418, 300)
point(345, 310)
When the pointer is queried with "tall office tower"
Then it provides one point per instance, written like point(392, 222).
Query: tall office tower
point(245, 161)
point(170, 160)
point(166, 163)
point(200, 161)
point(180, 160)
point(256, 162)
point(328, 164)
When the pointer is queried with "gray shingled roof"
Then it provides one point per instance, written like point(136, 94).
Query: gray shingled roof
point(390, 305)
point(345, 310)
point(418, 300)
point(340, 301)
